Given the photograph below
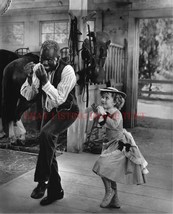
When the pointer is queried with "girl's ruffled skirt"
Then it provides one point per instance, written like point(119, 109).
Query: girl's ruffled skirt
point(117, 167)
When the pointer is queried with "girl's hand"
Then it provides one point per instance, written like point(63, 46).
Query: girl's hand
point(41, 74)
point(101, 110)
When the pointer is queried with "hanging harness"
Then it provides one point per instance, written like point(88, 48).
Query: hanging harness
point(73, 40)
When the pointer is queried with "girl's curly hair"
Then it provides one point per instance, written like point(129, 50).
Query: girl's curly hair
point(118, 99)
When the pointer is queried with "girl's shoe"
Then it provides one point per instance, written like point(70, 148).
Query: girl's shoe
point(115, 202)
point(107, 199)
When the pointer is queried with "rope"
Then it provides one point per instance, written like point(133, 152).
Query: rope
point(8, 3)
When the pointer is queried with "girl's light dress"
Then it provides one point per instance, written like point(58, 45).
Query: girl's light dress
point(120, 166)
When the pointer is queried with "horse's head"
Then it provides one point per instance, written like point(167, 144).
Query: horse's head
point(96, 50)
point(94, 55)
point(102, 45)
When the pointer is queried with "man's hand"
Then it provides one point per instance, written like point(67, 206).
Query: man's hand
point(28, 70)
point(41, 74)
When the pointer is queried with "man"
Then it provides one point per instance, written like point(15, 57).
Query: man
point(56, 82)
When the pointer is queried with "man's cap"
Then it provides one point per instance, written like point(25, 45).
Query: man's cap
point(113, 90)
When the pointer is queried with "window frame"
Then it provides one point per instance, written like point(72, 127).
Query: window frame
point(94, 23)
point(66, 21)
point(6, 33)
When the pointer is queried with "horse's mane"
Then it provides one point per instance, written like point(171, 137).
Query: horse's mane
point(33, 56)
point(30, 54)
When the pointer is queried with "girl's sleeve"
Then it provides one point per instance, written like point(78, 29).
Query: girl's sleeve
point(113, 121)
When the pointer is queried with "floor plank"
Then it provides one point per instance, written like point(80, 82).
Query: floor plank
point(84, 191)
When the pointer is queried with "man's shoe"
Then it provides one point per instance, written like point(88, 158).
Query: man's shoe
point(51, 198)
point(39, 191)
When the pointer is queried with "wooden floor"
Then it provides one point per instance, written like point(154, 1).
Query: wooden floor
point(84, 190)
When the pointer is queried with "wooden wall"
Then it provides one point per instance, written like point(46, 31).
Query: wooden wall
point(111, 19)
point(151, 4)
point(31, 12)
point(38, 6)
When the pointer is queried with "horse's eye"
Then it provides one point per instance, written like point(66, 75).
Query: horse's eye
point(101, 51)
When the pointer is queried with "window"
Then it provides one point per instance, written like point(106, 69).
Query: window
point(56, 30)
point(91, 23)
point(13, 33)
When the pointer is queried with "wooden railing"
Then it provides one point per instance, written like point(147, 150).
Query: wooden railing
point(158, 95)
point(114, 65)
point(114, 71)
point(78, 131)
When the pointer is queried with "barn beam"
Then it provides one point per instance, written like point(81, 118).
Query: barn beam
point(76, 132)
point(131, 82)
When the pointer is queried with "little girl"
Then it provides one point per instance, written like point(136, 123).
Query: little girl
point(120, 160)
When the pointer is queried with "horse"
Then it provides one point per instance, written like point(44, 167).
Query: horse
point(6, 57)
point(93, 54)
point(13, 104)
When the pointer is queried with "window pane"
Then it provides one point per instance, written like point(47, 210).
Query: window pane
point(18, 28)
point(48, 28)
point(55, 30)
point(61, 38)
point(19, 39)
point(13, 33)
point(47, 37)
point(61, 28)
point(92, 25)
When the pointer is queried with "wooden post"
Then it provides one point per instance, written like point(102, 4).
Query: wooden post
point(131, 86)
point(76, 132)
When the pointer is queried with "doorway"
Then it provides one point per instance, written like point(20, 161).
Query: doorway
point(155, 76)
point(131, 83)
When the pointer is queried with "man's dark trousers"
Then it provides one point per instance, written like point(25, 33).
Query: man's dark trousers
point(47, 168)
